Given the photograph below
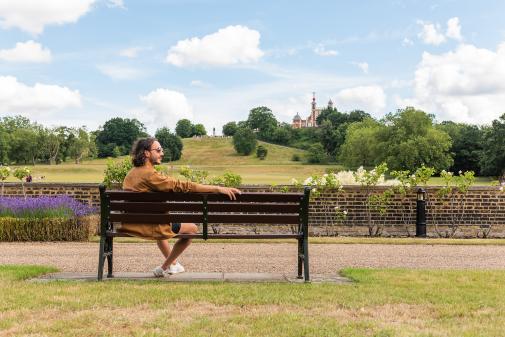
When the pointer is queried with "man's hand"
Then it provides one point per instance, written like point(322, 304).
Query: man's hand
point(229, 191)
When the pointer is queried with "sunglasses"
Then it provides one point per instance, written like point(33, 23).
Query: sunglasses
point(160, 149)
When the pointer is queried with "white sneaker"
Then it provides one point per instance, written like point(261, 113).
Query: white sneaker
point(159, 272)
point(175, 269)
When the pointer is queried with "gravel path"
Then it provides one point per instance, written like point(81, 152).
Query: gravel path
point(256, 257)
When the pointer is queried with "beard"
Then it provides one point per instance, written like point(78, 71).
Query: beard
point(156, 161)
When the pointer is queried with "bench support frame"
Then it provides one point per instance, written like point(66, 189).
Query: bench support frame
point(107, 235)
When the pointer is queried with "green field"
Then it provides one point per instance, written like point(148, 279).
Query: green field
point(380, 302)
point(215, 155)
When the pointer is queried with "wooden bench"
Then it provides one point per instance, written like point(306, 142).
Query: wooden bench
point(168, 207)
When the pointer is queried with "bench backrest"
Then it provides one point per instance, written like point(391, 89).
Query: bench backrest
point(169, 207)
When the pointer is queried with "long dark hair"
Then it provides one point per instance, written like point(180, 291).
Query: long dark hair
point(138, 148)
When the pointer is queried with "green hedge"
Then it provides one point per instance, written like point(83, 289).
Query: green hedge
point(47, 229)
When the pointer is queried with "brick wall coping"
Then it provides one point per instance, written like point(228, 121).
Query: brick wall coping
point(256, 186)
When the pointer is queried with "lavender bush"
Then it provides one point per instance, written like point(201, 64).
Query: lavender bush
point(59, 218)
point(61, 206)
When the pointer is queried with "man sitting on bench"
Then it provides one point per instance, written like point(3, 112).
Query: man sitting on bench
point(143, 177)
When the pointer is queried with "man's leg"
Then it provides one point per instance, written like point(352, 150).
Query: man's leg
point(164, 247)
point(180, 245)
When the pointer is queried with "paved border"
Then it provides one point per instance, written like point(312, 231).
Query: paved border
point(195, 277)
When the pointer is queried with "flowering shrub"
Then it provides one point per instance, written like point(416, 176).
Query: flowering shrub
point(44, 219)
point(194, 175)
point(228, 179)
point(453, 194)
point(21, 173)
point(116, 172)
point(43, 207)
point(332, 213)
point(5, 172)
point(374, 202)
point(406, 183)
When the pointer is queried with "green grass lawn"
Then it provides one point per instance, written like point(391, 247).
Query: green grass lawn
point(215, 155)
point(384, 302)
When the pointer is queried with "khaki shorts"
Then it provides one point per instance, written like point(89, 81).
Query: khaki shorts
point(147, 231)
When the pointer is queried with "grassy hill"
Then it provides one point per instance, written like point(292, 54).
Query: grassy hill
point(220, 151)
point(215, 155)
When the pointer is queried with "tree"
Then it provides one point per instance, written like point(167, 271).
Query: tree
point(263, 120)
point(261, 152)
point(52, 143)
point(229, 129)
point(493, 156)
point(184, 128)
point(25, 146)
point(79, 144)
point(467, 145)
point(244, 141)
point(4, 146)
point(316, 154)
point(121, 133)
point(198, 130)
point(361, 144)
point(411, 140)
point(282, 134)
point(22, 140)
point(334, 126)
point(172, 144)
point(332, 138)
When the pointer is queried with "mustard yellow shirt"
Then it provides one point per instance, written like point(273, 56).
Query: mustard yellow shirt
point(147, 179)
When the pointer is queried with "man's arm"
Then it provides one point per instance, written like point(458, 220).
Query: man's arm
point(161, 183)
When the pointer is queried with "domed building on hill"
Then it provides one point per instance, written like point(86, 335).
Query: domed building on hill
point(311, 121)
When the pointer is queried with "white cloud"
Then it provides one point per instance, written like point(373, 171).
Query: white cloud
point(454, 29)
point(33, 15)
point(407, 42)
point(16, 97)
point(321, 51)
point(431, 33)
point(362, 65)
point(116, 4)
point(465, 85)
point(371, 98)
point(230, 45)
point(120, 72)
point(165, 107)
point(29, 51)
point(130, 52)
point(199, 84)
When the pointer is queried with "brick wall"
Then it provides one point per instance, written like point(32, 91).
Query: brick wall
point(483, 215)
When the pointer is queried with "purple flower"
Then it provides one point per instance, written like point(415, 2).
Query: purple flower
point(44, 206)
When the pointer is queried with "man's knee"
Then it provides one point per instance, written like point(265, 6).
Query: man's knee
point(189, 228)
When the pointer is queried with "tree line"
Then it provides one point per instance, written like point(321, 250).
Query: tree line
point(26, 142)
point(405, 140)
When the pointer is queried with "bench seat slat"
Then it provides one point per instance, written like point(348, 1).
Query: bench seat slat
point(171, 196)
point(147, 218)
point(222, 236)
point(161, 207)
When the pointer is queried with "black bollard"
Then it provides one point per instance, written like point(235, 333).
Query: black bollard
point(421, 213)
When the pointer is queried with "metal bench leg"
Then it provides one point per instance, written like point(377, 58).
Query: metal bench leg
point(306, 259)
point(109, 257)
point(101, 258)
point(300, 257)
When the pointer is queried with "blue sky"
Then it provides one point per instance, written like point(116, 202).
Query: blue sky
point(83, 62)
